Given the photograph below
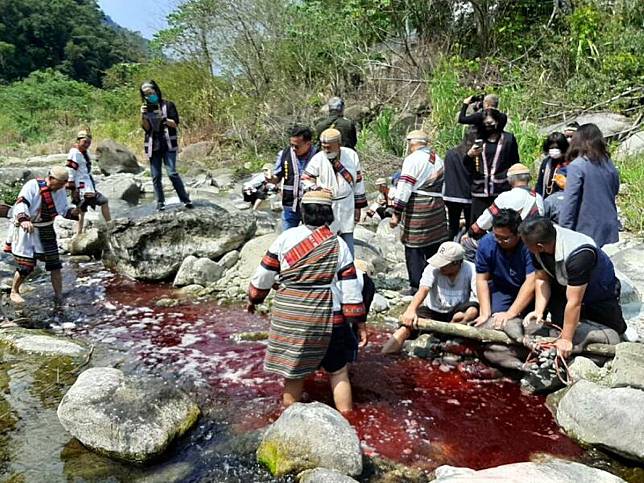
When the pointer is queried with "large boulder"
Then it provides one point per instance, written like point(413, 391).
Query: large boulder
point(322, 475)
point(152, 246)
point(115, 158)
point(632, 146)
point(252, 253)
point(197, 151)
point(627, 368)
point(550, 471)
point(91, 242)
point(605, 417)
point(128, 418)
point(122, 186)
point(308, 436)
point(609, 123)
point(388, 242)
point(202, 271)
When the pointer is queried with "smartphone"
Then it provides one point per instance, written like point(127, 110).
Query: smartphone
point(478, 143)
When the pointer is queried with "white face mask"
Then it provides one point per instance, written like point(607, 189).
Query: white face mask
point(554, 153)
point(332, 156)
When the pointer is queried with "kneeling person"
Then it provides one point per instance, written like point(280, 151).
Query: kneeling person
point(38, 204)
point(447, 293)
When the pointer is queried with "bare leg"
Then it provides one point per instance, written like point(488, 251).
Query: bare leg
point(292, 391)
point(258, 202)
point(464, 317)
point(57, 283)
point(15, 289)
point(105, 210)
point(395, 342)
point(80, 223)
point(341, 387)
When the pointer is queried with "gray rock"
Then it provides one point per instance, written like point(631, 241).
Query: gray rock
point(40, 343)
point(550, 471)
point(610, 418)
point(19, 175)
point(632, 146)
point(223, 178)
point(128, 418)
point(388, 242)
point(584, 368)
point(153, 246)
point(91, 242)
point(308, 436)
point(627, 368)
point(46, 160)
point(323, 475)
point(192, 289)
point(197, 151)
point(609, 123)
point(379, 304)
point(200, 271)
point(166, 302)
point(229, 259)
point(252, 253)
point(116, 158)
point(121, 186)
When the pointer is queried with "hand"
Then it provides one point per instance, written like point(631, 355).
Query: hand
point(393, 222)
point(76, 197)
point(27, 226)
point(501, 318)
point(533, 317)
point(409, 318)
point(468, 100)
point(364, 336)
point(170, 123)
point(564, 348)
point(250, 308)
point(480, 320)
point(474, 151)
point(144, 108)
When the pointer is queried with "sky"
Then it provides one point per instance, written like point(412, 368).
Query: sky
point(145, 16)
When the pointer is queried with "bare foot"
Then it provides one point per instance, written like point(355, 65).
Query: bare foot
point(16, 298)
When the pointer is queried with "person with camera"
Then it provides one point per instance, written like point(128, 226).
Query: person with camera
point(488, 161)
point(478, 104)
point(159, 120)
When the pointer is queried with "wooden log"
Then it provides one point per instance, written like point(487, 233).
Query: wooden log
point(496, 336)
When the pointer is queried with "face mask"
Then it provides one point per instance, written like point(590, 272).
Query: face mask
point(332, 156)
point(554, 153)
point(153, 99)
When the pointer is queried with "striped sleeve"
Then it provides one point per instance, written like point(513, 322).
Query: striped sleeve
point(405, 186)
point(351, 302)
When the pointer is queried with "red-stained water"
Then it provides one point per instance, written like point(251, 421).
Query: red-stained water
point(405, 408)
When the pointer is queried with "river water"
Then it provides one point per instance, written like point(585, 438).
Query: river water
point(407, 410)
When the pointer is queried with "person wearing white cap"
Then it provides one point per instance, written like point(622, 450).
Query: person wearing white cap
point(419, 206)
point(384, 201)
point(336, 169)
point(447, 293)
point(520, 198)
point(39, 202)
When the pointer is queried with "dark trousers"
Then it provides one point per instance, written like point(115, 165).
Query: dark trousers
point(454, 211)
point(479, 205)
point(416, 260)
point(169, 158)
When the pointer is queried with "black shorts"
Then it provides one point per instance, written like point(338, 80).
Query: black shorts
point(343, 348)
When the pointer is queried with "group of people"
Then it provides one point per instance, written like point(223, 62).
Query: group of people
point(508, 268)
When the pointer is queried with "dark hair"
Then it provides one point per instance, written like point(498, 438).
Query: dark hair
point(304, 132)
point(589, 142)
point(468, 140)
point(507, 218)
point(558, 139)
point(538, 229)
point(316, 215)
point(496, 115)
point(156, 89)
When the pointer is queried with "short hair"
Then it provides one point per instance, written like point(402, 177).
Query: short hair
point(558, 139)
point(492, 100)
point(316, 215)
point(496, 115)
point(538, 229)
point(589, 142)
point(572, 126)
point(304, 132)
point(507, 218)
point(525, 178)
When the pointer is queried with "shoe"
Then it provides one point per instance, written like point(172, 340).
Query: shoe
point(189, 205)
point(160, 206)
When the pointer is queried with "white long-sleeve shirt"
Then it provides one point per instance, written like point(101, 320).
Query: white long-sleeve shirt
point(29, 202)
point(521, 199)
point(420, 168)
point(80, 171)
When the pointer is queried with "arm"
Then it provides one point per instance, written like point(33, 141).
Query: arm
point(353, 308)
point(310, 175)
point(484, 222)
point(541, 293)
point(463, 118)
point(404, 188)
point(523, 299)
point(573, 193)
point(574, 296)
point(278, 169)
point(145, 124)
point(173, 115)
point(483, 294)
point(409, 316)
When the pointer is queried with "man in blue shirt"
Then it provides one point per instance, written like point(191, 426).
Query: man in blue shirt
point(504, 272)
point(289, 167)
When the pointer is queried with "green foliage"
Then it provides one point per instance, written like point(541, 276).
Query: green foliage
point(9, 193)
point(631, 197)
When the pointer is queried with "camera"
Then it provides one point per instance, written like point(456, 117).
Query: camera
point(478, 143)
point(478, 98)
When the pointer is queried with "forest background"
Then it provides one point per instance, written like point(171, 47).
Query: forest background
point(242, 71)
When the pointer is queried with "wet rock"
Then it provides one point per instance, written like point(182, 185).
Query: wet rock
point(550, 471)
point(192, 289)
point(116, 158)
point(166, 302)
point(80, 259)
point(632, 146)
point(128, 418)
point(223, 178)
point(200, 271)
point(252, 253)
point(388, 242)
point(583, 368)
point(379, 304)
point(308, 436)
point(627, 368)
point(250, 336)
point(610, 418)
point(229, 259)
point(91, 242)
point(121, 187)
point(425, 346)
point(40, 343)
point(322, 475)
point(153, 246)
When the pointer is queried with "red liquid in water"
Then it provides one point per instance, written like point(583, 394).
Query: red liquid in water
point(405, 408)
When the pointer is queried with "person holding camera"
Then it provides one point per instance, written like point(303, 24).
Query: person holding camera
point(478, 104)
point(159, 120)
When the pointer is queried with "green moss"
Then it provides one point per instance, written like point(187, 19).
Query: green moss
point(270, 455)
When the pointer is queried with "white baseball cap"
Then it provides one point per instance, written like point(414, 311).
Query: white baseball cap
point(448, 252)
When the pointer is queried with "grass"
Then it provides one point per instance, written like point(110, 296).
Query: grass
point(631, 197)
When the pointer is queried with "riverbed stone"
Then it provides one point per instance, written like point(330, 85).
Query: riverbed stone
point(202, 271)
point(610, 123)
point(121, 186)
point(91, 242)
point(379, 304)
point(631, 146)
point(152, 245)
point(252, 253)
point(308, 436)
point(323, 475)
point(229, 260)
point(627, 368)
point(40, 343)
point(128, 418)
point(611, 418)
point(550, 471)
point(584, 368)
point(116, 158)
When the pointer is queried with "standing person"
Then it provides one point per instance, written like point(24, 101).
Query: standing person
point(553, 169)
point(159, 120)
point(289, 168)
point(488, 161)
point(81, 183)
point(592, 184)
point(318, 301)
point(337, 170)
point(570, 130)
point(34, 238)
point(479, 105)
point(576, 283)
point(336, 120)
point(457, 191)
point(419, 206)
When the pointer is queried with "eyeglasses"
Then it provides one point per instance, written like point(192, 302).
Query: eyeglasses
point(504, 240)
